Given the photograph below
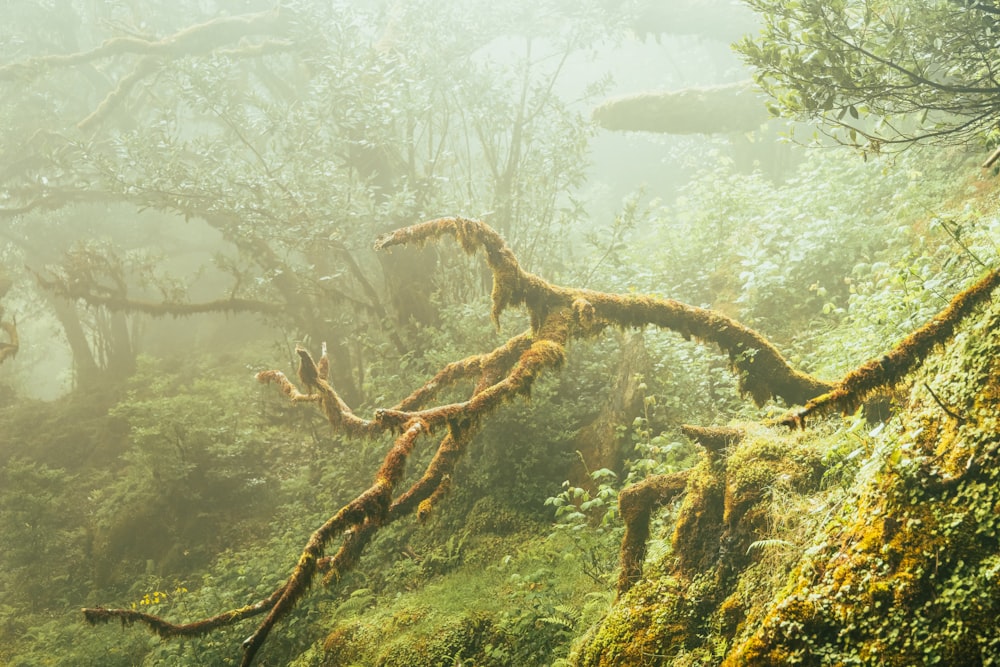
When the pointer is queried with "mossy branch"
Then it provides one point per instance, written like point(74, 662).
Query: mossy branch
point(763, 372)
point(504, 374)
point(715, 439)
point(889, 370)
point(167, 630)
point(734, 107)
point(558, 315)
point(636, 504)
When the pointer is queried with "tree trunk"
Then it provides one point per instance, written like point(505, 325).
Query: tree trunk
point(598, 442)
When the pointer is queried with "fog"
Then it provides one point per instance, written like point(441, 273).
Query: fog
point(205, 174)
point(198, 195)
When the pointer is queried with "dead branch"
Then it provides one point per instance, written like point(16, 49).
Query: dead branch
point(115, 300)
point(507, 372)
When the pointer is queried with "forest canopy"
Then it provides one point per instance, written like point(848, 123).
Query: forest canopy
point(422, 333)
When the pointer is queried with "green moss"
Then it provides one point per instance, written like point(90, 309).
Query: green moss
point(490, 516)
point(651, 620)
point(696, 601)
point(910, 576)
point(898, 567)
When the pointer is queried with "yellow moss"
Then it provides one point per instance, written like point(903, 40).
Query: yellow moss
point(339, 647)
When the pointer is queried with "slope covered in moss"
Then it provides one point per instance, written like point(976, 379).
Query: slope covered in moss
point(848, 545)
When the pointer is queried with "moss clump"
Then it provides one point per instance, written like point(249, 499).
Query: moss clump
point(902, 567)
point(338, 648)
point(700, 594)
point(763, 467)
point(446, 645)
point(647, 624)
point(491, 517)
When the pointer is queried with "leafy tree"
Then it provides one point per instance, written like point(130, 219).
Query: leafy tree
point(292, 135)
point(882, 75)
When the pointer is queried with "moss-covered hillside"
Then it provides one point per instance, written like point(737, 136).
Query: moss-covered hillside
point(861, 544)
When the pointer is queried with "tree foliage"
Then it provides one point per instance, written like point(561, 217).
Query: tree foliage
point(558, 315)
point(239, 158)
point(290, 136)
point(882, 75)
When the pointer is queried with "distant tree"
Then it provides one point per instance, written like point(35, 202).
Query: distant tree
point(292, 135)
point(9, 348)
point(881, 75)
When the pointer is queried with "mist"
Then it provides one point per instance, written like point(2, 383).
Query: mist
point(356, 327)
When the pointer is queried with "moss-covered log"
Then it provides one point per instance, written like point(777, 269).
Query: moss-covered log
point(736, 107)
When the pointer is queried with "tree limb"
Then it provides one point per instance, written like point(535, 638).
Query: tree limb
point(763, 371)
point(889, 369)
point(733, 107)
point(195, 39)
